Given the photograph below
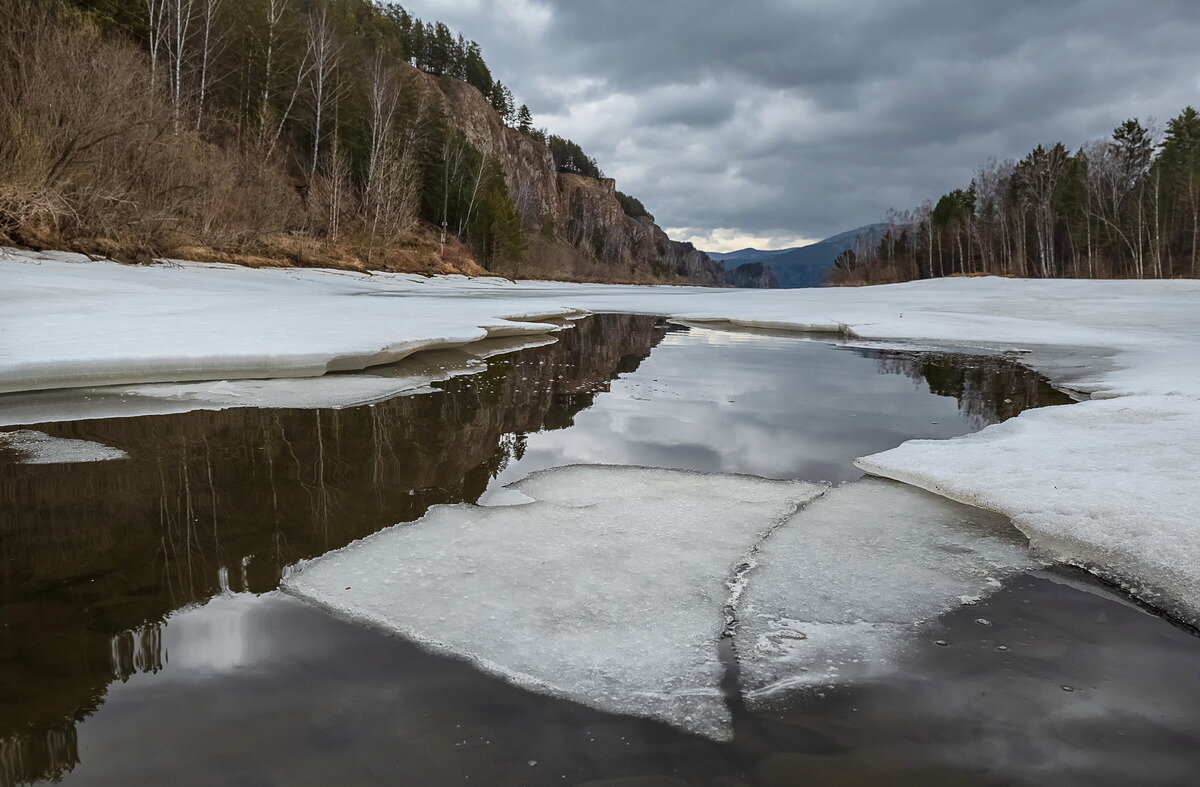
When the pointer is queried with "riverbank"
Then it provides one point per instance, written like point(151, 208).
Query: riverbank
point(1104, 485)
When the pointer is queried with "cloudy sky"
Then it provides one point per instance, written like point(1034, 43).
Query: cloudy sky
point(766, 123)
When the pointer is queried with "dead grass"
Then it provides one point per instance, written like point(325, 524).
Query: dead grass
point(93, 159)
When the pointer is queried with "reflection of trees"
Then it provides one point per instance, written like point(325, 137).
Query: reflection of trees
point(47, 754)
point(93, 557)
point(988, 389)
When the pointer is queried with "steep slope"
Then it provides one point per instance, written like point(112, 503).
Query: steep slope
point(410, 165)
point(575, 224)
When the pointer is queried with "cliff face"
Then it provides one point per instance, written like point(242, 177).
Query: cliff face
point(576, 225)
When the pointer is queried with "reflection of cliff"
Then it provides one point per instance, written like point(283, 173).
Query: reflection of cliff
point(95, 556)
point(988, 389)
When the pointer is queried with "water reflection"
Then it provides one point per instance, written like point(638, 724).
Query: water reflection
point(782, 406)
point(988, 389)
point(95, 558)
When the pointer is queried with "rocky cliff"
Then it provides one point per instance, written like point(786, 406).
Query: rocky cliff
point(576, 225)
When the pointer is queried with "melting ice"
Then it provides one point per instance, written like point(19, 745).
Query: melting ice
point(607, 589)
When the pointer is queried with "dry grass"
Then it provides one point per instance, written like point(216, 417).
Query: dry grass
point(93, 159)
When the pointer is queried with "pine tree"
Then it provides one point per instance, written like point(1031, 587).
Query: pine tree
point(475, 71)
point(510, 111)
point(524, 120)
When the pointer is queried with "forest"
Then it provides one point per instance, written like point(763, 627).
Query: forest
point(250, 131)
point(1123, 207)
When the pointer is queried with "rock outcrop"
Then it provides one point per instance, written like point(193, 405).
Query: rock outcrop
point(577, 226)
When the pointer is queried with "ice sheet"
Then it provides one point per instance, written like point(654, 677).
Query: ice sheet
point(412, 375)
point(81, 323)
point(607, 589)
point(72, 324)
point(39, 448)
point(844, 584)
point(1109, 485)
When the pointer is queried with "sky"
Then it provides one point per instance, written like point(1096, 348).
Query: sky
point(773, 123)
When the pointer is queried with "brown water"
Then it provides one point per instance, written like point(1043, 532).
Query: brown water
point(142, 637)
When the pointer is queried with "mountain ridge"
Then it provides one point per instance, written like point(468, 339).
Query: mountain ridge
point(800, 266)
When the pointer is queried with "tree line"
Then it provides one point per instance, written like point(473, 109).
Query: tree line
point(1123, 207)
point(251, 126)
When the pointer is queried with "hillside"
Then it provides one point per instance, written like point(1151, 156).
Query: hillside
point(321, 134)
point(801, 266)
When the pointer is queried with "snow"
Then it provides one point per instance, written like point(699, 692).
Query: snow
point(72, 324)
point(606, 587)
point(1095, 488)
point(842, 586)
point(86, 324)
point(39, 448)
point(1110, 485)
point(413, 375)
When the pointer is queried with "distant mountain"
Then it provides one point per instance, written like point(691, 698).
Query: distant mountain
point(747, 254)
point(802, 266)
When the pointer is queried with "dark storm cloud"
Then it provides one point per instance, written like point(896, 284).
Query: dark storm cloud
point(799, 119)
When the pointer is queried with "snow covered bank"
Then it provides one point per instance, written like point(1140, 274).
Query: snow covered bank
point(606, 588)
point(99, 323)
point(70, 324)
point(412, 375)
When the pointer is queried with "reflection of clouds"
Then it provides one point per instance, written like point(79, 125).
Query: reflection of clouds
point(211, 638)
point(744, 403)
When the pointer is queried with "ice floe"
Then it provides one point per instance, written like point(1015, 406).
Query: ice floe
point(1110, 485)
point(411, 376)
point(842, 586)
point(39, 448)
point(607, 587)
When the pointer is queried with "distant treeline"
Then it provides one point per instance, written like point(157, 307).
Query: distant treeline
point(1123, 207)
point(269, 127)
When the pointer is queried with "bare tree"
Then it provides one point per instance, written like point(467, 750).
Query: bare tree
point(324, 54)
point(273, 15)
point(156, 23)
point(180, 17)
point(384, 98)
point(211, 44)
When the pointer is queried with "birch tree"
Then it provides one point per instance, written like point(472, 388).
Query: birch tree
point(324, 54)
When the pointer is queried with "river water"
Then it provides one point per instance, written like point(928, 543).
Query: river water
point(143, 638)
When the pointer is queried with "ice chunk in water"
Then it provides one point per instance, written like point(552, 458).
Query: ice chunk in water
point(839, 587)
point(1109, 485)
point(39, 448)
point(607, 589)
